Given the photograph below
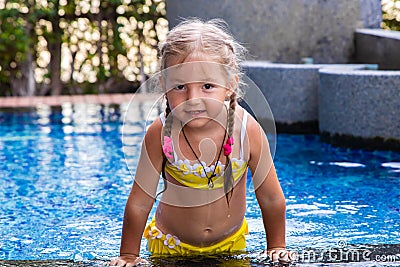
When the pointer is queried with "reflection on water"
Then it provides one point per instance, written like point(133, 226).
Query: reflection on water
point(63, 174)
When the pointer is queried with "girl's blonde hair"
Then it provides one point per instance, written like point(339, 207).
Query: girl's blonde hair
point(210, 38)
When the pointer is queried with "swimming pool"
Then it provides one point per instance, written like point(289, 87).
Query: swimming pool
point(64, 182)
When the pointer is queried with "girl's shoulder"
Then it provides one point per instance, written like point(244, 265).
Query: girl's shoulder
point(155, 127)
point(255, 133)
point(152, 136)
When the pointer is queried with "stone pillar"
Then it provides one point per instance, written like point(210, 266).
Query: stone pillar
point(378, 46)
point(291, 91)
point(360, 107)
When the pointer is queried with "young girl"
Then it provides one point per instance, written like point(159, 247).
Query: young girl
point(202, 145)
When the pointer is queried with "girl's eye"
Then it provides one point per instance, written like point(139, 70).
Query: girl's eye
point(180, 87)
point(208, 86)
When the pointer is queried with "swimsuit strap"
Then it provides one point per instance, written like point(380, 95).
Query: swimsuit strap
point(162, 118)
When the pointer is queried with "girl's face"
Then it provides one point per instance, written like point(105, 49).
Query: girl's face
point(196, 95)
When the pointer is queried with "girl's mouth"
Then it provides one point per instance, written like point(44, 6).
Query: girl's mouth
point(195, 113)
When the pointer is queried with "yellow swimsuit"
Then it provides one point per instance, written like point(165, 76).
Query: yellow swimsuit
point(159, 243)
point(195, 176)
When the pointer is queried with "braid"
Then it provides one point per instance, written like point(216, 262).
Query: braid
point(168, 121)
point(231, 114)
point(166, 131)
point(228, 177)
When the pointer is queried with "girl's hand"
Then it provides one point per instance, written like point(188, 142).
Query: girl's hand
point(128, 261)
point(279, 256)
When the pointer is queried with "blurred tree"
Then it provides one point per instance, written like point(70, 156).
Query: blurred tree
point(77, 46)
point(16, 51)
point(391, 15)
point(52, 33)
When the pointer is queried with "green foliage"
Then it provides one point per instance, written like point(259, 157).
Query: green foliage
point(391, 15)
point(14, 43)
point(23, 22)
point(90, 32)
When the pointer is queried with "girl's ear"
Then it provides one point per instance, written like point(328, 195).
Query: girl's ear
point(229, 92)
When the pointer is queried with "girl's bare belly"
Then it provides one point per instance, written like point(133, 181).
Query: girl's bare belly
point(204, 225)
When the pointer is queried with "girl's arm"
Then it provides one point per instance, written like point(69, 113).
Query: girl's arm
point(267, 188)
point(141, 197)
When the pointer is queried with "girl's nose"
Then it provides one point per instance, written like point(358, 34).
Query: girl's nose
point(193, 94)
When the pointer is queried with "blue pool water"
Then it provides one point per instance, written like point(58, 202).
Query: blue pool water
point(64, 182)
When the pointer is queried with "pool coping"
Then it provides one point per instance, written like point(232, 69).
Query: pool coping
point(64, 263)
point(346, 255)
